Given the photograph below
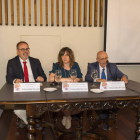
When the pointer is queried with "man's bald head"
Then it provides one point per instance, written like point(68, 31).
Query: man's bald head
point(102, 58)
point(100, 53)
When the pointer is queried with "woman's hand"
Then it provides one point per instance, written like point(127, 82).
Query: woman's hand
point(76, 80)
point(66, 80)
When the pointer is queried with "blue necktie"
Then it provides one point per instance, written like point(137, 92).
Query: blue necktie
point(103, 74)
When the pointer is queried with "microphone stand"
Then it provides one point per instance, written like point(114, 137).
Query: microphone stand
point(54, 83)
point(109, 70)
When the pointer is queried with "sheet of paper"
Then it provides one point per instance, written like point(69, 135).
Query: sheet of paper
point(22, 115)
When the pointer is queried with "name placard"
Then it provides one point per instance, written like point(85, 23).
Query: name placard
point(115, 85)
point(74, 87)
point(26, 87)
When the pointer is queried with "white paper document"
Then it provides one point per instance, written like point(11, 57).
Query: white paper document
point(74, 87)
point(22, 115)
point(26, 87)
point(115, 85)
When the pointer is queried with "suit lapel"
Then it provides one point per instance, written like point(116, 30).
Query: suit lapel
point(108, 74)
point(98, 71)
point(21, 73)
point(97, 67)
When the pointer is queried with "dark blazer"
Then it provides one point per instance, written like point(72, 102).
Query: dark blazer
point(15, 71)
point(116, 73)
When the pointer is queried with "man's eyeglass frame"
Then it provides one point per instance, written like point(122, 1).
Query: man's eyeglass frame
point(27, 49)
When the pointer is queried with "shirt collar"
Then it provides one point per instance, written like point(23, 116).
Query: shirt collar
point(102, 68)
point(27, 60)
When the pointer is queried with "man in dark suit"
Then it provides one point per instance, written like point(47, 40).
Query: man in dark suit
point(15, 67)
point(106, 71)
point(24, 68)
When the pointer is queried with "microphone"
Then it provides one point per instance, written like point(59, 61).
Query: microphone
point(54, 83)
point(58, 65)
point(109, 69)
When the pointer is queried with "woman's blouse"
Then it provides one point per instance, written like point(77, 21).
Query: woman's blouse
point(66, 73)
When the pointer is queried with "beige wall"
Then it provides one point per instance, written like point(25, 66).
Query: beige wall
point(45, 43)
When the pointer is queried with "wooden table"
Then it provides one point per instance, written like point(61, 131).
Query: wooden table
point(38, 102)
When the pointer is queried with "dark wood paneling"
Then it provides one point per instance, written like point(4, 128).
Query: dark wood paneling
point(52, 12)
point(46, 11)
point(35, 12)
point(74, 12)
point(18, 18)
point(81, 8)
point(101, 13)
point(41, 19)
point(6, 12)
point(57, 6)
point(12, 12)
point(80, 13)
point(85, 12)
point(0, 12)
point(95, 13)
point(63, 12)
point(29, 12)
point(69, 10)
point(23, 11)
point(90, 12)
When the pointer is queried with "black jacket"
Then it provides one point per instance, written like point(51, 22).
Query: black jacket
point(15, 71)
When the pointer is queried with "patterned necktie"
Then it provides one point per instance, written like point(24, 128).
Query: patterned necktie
point(26, 72)
point(103, 74)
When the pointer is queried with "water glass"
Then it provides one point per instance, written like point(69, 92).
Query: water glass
point(73, 74)
point(58, 75)
point(94, 74)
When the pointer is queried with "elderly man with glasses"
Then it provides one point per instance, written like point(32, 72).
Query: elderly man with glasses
point(24, 68)
point(106, 71)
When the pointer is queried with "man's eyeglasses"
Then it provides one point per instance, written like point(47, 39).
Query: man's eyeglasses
point(104, 58)
point(23, 50)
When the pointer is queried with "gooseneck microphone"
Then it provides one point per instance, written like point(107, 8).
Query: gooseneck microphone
point(109, 69)
point(54, 83)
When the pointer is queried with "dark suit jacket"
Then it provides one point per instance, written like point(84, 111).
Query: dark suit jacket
point(116, 73)
point(15, 71)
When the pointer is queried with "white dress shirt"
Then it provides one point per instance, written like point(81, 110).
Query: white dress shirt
point(30, 74)
point(22, 113)
point(101, 69)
